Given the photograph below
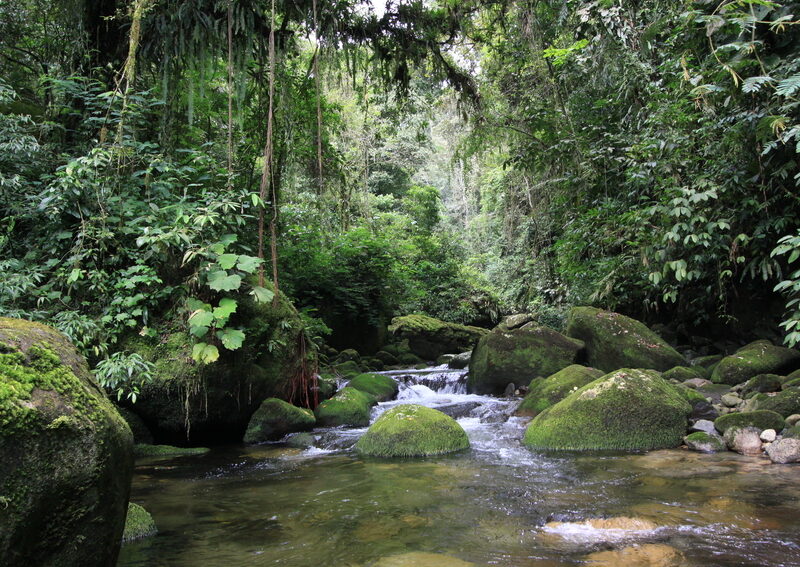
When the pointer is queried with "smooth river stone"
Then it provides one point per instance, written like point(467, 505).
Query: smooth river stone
point(420, 559)
point(648, 555)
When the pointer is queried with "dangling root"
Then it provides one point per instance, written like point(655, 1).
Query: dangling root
point(303, 388)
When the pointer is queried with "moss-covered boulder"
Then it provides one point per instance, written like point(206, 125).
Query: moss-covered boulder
point(615, 341)
point(428, 337)
point(412, 431)
point(519, 356)
point(763, 383)
point(682, 374)
point(760, 357)
point(705, 442)
point(213, 402)
point(380, 386)
point(349, 407)
point(629, 409)
point(138, 524)
point(274, 418)
point(786, 402)
point(760, 419)
point(65, 454)
point(347, 368)
point(545, 392)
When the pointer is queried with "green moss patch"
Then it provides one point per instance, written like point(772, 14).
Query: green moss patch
point(785, 403)
point(428, 337)
point(519, 356)
point(614, 341)
point(138, 524)
point(545, 392)
point(630, 409)
point(760, 357)
point(681, 374)
point(412, 431)
point(761, 384)
point(690, 395)
point(274, 418)
point(760, 419)
point(349, 407)
point(140, 451)
point(382, 387)
point(705, 443)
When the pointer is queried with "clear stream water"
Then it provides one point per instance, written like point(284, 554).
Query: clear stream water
point(328, 507)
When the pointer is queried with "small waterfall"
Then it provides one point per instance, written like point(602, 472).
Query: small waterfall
point(438, 380)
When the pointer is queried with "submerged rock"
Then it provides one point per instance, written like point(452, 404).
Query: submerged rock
point(646, 555)
point(519, 356)
point(545, 392)
point(275, 418)
point(614, 341)
point(382, 387)
point(412, 431)
point(429, 337)
point(65, 454)
point(420, 559)
point(138, 524)
point(760, 357)
point(349, 407)
point(630, 409)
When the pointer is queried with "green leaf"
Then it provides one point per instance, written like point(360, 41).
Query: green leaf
point(248, 264)
point(226, 283)
point(227, 306)
point(227, 261)
point(231, 338)
point(199, 321)
point(205, 353)
point(262, 294)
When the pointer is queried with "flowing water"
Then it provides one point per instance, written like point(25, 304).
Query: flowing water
point(496, 504)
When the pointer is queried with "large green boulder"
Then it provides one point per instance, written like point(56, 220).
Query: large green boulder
point(412, 431)
point(786, 402)
point(274, 418)
point(760, 357)
point(214, 402)
point(519, 356)
point(629, 409)
point(615, 341)
point(66, 455)
point(429, 338)
point(380, 386)
point(348, 407)
point(545, 392)
point(761, 419)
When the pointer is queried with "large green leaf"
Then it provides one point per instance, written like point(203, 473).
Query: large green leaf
point(221, 281)
point(262, 294)
point(227, 261)
point(199, 321)
point(231, 338)
point(205, 353)
point(248, 264)
point(227, 306)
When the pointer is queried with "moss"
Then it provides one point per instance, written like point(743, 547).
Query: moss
point(428, 337)
point(326, 385)
point(300, 441)
point(760, 419)
point(630, 409)
point(785, 403)
point(751, 360)
point(348, 368)
point(412, 431)
point(409, 359)
point(761, 384)
point(138, 524)
point(705, 443)
point(681, 374)
point(275, 418)
point(167, 451)
point(792, 432)
point(349, 407)
point(544, 392)
point(518, 356)
point(65, 453)
point(690, 395)
point(614, 341)
point(382, 387)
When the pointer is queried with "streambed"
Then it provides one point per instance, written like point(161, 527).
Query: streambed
point(496, 504)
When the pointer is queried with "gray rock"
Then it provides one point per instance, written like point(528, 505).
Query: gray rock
point(703, 410)
point(730, 400)
point(509, 391)
point(744, 440)
point(696, 383)
point(784, 451)
point(704, 425)
point(769, 435)
point(704, 442)
point(792, 420)
point(458, 410)
point(460, 361)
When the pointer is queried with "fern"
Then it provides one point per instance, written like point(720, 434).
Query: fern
point(754, 84)
point(789, 86)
